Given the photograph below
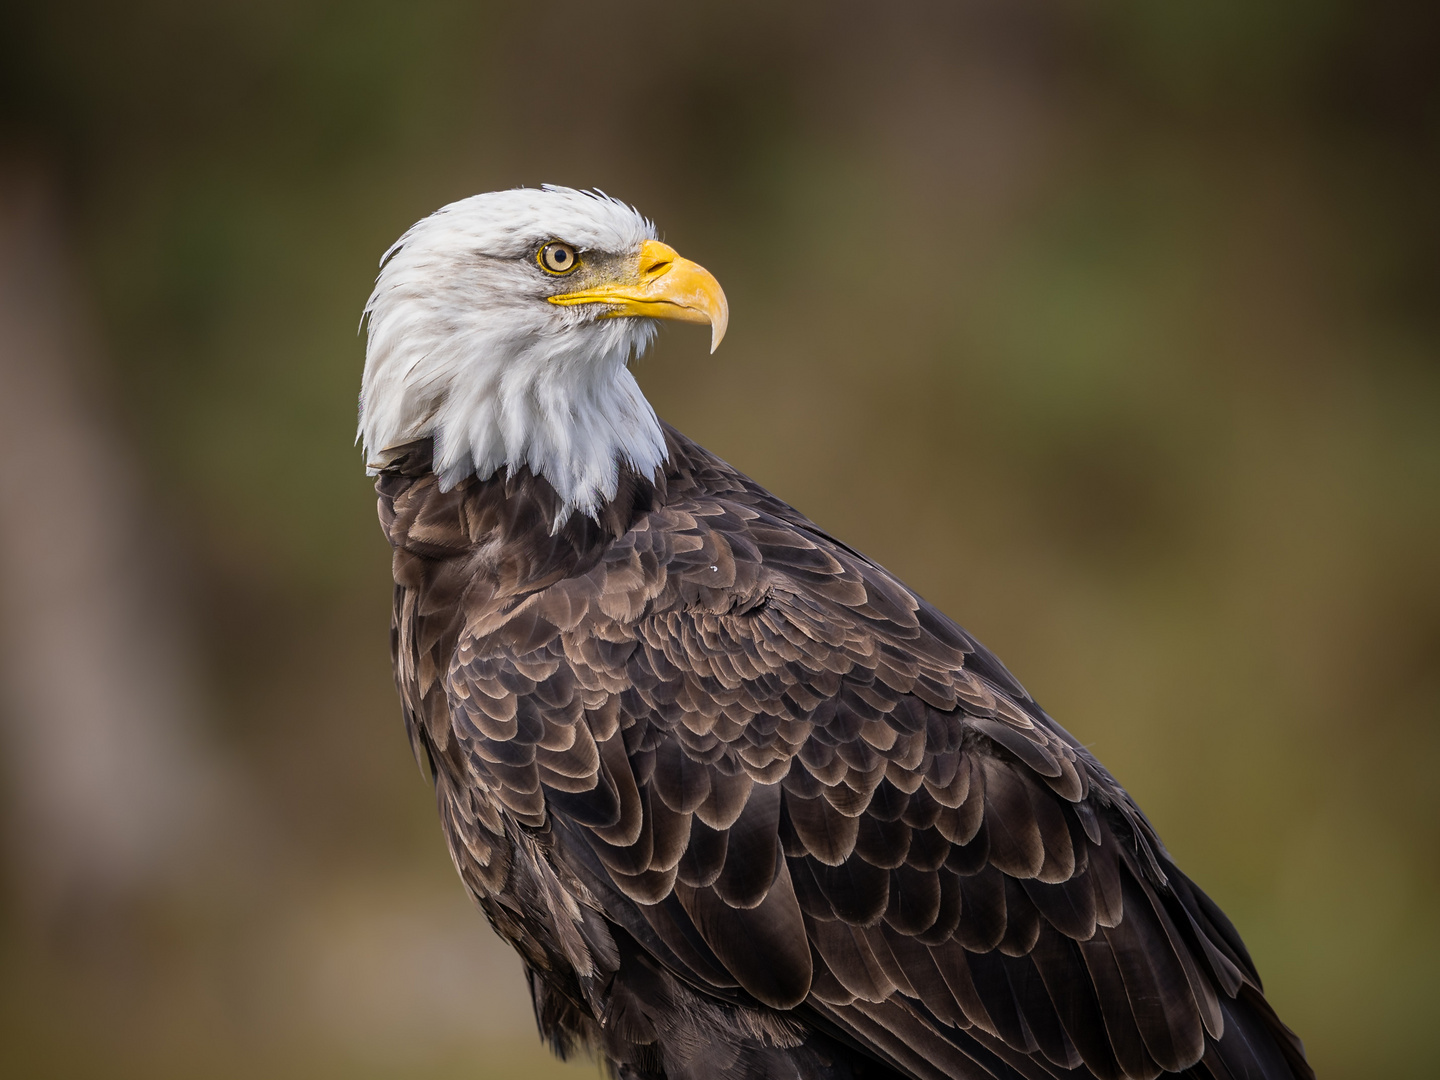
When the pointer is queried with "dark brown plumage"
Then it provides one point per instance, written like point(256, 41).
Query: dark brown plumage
point(748, 807)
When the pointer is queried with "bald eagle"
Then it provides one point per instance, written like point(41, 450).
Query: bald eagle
point(744, 803)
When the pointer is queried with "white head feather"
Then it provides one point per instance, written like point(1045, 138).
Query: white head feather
point(464, 348)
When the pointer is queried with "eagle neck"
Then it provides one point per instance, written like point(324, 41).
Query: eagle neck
point(509, 514)
point(564, 406)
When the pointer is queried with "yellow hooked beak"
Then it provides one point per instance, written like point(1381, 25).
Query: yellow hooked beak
point(664, 286)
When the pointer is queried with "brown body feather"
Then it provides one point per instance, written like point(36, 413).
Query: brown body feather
point(748, 807)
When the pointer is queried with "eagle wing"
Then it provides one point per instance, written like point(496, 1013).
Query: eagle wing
point(793, 782)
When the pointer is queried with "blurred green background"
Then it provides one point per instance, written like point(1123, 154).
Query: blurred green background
point(1113, 328)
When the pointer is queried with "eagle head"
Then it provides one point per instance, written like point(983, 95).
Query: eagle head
point(502, 326)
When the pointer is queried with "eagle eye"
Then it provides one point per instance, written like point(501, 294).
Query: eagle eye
point(558, 258)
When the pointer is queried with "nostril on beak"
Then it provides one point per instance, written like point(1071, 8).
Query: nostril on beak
point(659, 266)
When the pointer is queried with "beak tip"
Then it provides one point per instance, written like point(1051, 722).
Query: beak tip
point(718, 326)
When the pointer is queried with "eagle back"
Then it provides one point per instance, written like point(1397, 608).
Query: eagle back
point(780, 772)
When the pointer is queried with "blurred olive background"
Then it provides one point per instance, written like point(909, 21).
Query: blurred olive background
point(1114, 329)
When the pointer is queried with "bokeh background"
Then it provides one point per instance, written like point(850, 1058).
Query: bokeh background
point(1112, 328)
